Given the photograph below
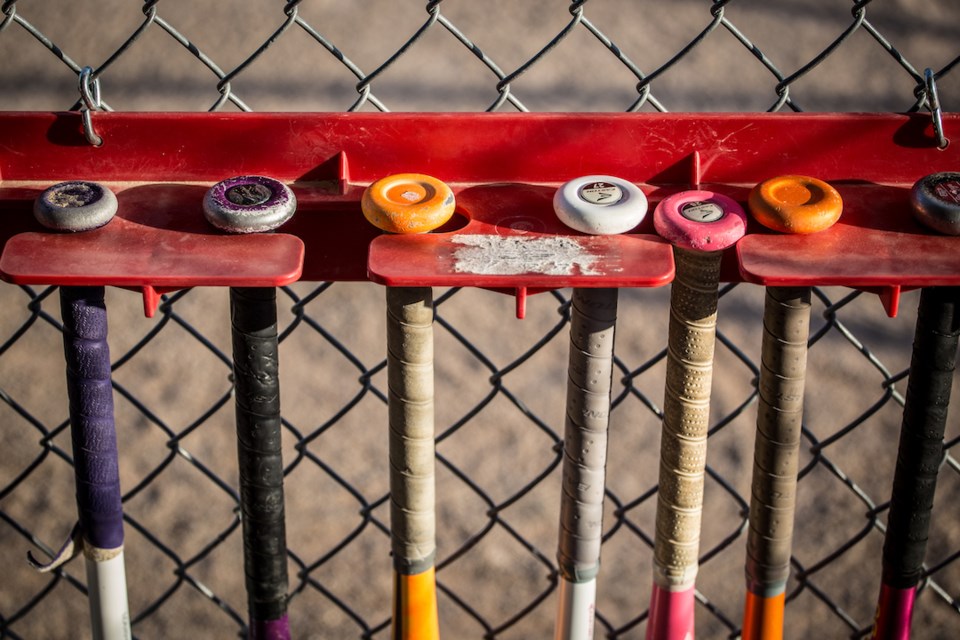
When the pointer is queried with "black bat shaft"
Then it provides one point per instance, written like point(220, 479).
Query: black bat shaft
point(255, 367)
point(921, 435)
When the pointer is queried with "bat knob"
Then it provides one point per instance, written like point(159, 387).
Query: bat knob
point(408, 203)
point(795, 204)
point(249, 204)
point(75, 206)
point(700, 220)
point(936, 202)
point(600, 205)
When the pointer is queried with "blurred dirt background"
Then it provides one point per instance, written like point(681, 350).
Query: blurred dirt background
point(174, 411)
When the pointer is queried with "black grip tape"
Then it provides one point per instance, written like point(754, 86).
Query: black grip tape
point(921, 435)
point(255, 368)
point(93, 430)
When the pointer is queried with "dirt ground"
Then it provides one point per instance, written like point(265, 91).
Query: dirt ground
point(498, 477)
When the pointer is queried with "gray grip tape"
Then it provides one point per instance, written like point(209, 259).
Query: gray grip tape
point(786, 328)
point(590, 371)
point(691, 339)
point(410, 381)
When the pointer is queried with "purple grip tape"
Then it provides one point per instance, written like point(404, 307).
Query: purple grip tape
point(91, 415)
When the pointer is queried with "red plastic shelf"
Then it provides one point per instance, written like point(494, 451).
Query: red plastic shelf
point(508, 233)
point(158, 242)
point(876, 246)
point(503, 168)
point(507, 237)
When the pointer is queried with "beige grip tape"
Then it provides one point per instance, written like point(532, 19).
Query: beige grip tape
point(686, 414)
point(410, 397)
point(786, 328)
point(590, 372)
point(100, 555)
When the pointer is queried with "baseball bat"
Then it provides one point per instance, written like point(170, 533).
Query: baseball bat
point(252, 204)
point(598, 205)
point(411, 203)
point(935, 201)
point(700, 224)
point(797, 205)
point(81, 206)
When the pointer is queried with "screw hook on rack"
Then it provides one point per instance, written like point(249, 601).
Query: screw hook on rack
point(90, 102)
point(936, 112)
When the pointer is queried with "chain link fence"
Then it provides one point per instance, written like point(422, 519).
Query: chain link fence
point(500, 381)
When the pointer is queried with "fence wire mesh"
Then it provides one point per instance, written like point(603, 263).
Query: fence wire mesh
point(499, 381)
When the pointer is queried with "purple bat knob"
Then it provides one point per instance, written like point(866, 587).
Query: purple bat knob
point(249, 204)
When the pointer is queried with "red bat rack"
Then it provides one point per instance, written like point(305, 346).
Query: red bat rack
point(158, 242)
point(504, 169)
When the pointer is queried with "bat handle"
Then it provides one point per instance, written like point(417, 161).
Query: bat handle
point(95, 457)
point(593, 319)
point(786, 329)
point(253, 314)
point(412, 460)
point(683, 443)
point(920, 452)
point(91, 415)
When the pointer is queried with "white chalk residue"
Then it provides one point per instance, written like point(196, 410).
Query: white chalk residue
point(515, 255)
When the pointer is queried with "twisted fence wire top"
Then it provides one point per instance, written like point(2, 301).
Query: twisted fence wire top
point(500, 382)
point(449, 55)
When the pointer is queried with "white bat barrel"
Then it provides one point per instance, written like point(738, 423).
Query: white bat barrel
point(107, 584)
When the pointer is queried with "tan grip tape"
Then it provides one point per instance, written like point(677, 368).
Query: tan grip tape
point(590, 373)
point(786, 329)
point(410, 396)
point(686, 417)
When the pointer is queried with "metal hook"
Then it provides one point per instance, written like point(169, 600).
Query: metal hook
point(933, 102)
point(90, 97)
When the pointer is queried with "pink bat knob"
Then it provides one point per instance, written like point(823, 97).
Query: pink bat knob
point(700, 220)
